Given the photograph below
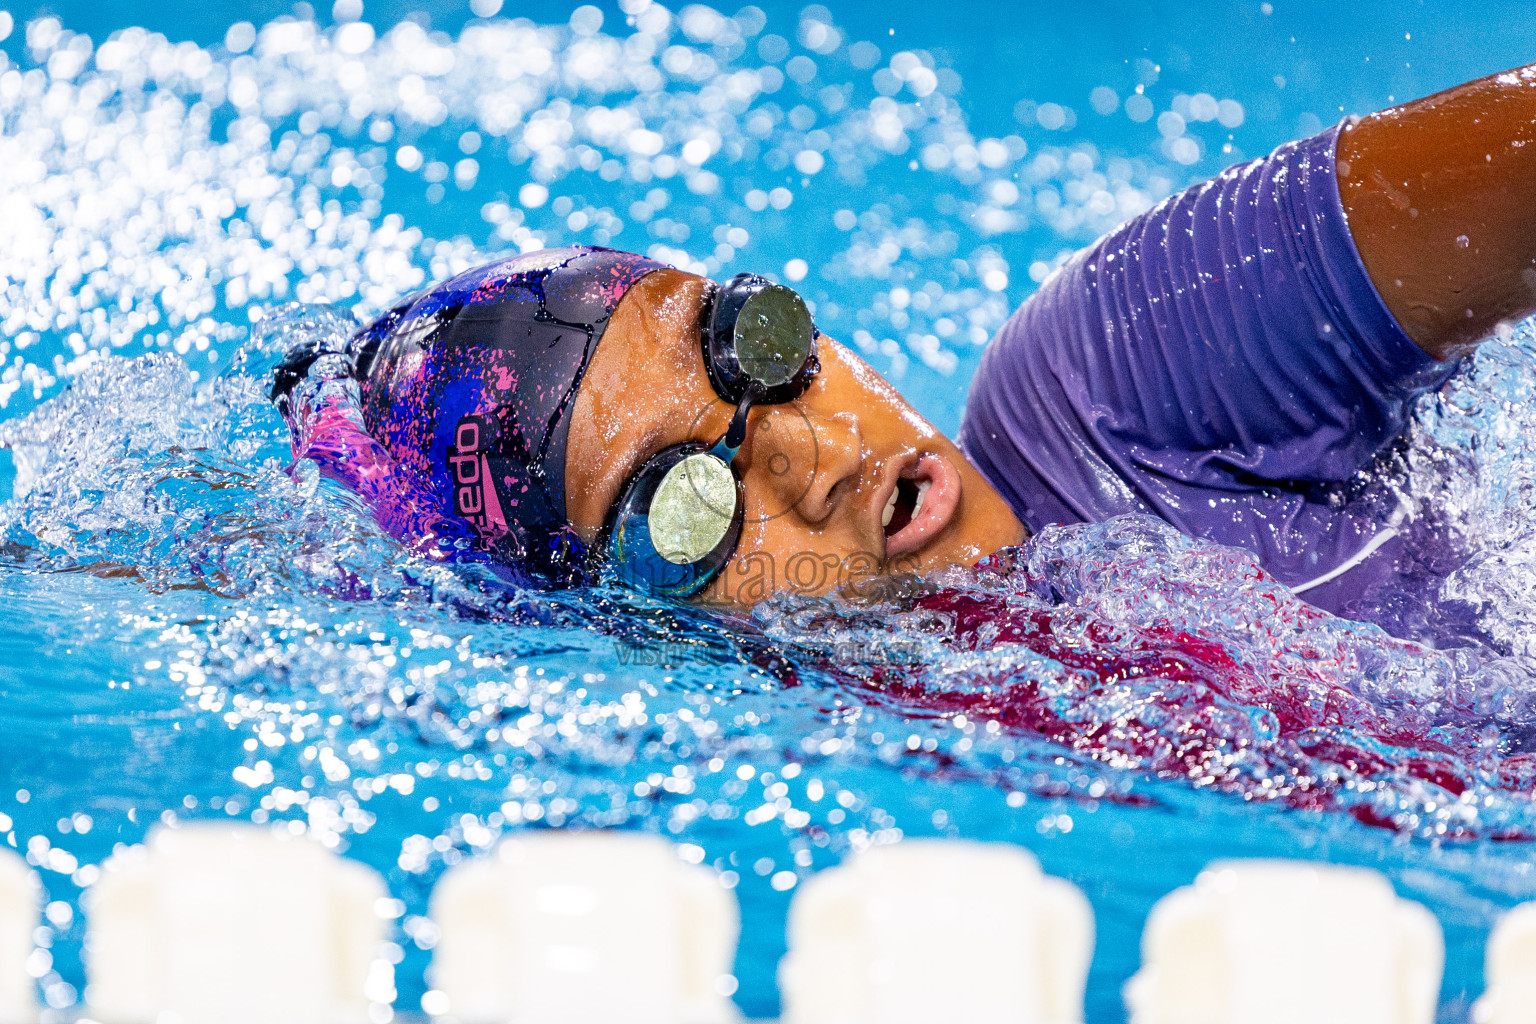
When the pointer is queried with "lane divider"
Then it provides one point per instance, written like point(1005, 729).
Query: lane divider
point(1277, 942)
point(936, 930)
point(20, 906)
point(213, 923)
point(222, 924)
point(583, 928)
point(1510, 972)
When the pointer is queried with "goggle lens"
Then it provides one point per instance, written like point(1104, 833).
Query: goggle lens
point(693, 509)
point(681, 514)
point(774, 335)
point(678, 521)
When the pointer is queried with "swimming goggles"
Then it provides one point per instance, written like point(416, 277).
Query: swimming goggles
point(677, 521)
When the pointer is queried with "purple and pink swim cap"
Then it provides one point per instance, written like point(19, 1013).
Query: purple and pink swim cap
point(463, 401)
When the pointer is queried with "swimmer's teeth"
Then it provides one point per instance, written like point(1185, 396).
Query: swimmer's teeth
point(922, 491)
point(890, 508)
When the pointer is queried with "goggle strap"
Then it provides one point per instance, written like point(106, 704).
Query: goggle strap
point(737, 432)
point(724, 452)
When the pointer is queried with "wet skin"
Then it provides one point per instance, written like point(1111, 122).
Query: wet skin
point(1440, 195)
point(1441, 199)
point(818, 472)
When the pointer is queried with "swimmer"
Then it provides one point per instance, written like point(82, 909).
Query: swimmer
point(1229, 361)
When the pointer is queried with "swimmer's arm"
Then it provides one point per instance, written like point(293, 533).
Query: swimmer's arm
point(1441, 199)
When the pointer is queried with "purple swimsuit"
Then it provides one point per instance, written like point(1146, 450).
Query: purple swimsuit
point(1225, 363)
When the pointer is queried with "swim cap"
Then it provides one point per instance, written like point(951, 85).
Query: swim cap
point(470, 386)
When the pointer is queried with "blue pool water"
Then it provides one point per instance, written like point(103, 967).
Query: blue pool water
point(191, 630)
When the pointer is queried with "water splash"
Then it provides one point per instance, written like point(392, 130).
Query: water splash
point(211, 630)
point(153, 191)
point(1124, 641)
point(1483, 419)
point(1143, 649)
point(419, 711)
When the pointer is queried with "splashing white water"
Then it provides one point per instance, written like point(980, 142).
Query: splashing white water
point(172, 584)
point(151, 192)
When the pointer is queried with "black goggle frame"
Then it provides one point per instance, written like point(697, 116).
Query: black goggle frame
point(759, 346)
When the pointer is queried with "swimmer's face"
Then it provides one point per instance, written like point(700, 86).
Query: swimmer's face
point(820, 474)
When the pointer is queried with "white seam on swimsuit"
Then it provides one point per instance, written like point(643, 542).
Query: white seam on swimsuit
point(1403, 511)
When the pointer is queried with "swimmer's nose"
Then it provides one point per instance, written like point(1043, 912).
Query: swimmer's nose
point(809, 462)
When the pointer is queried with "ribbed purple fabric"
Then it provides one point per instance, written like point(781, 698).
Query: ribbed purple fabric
point(1222, 361)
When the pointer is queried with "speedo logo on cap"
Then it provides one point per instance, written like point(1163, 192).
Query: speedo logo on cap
point(474, 494)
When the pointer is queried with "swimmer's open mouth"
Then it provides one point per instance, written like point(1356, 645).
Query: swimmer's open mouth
point(921, 501)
